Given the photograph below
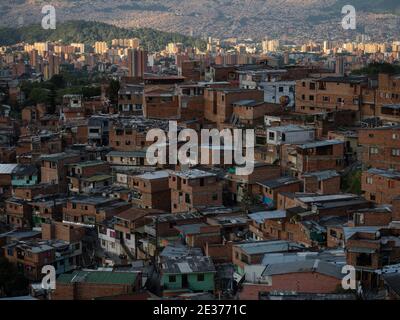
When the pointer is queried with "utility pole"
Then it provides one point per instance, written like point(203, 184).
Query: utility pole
point(156, 251)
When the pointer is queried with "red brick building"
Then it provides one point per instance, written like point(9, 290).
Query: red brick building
point(309, 276)
point(380, 186)
point(380, 147)
point(89, 285)
point(54, 169)
point(151, 190)
point(194, 188)
point(93, 209)
point(313, 157)
point(330, 94)
point(322, 182)
point(219, 103)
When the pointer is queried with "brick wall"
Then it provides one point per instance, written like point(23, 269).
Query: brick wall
point(304, 282)
point(377, 147)
point(382, 190)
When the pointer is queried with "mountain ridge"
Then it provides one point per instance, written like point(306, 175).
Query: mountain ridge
point(224, 18)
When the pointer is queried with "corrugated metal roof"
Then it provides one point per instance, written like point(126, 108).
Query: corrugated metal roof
point(7, 168)
point(260, 217)
point(322, 175)
point(317, 144)
point(188, 264)
point(391, 174)
point(260, 247)
point(132, 154)
point(188, 229)
point(350, 231)
point(25, 170)
point(318, 266)
point(321, 198)
point(154, 175)
point(393, 281)
point(280, 182)
point(180, 251)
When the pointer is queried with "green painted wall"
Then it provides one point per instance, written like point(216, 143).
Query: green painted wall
point(193, 283)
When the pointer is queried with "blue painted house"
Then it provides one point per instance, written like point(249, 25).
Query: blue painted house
point(25, 175)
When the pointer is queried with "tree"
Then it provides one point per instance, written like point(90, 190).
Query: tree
point(90, 31)
point(248, 200)
point(58, 81)
point(12, 282)
point(375, 68)
point(113, 91)
point(351, 183)
point(39, 95)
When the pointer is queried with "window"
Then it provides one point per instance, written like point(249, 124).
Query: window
point(311, 98)
point(271, 135)
point(200, 277)
point(215, 197)
point(396, 152)
point(128, 236)
point(395, 136)
point(172, 279)
point(370, 180)
point(359, 217)
point(373, 150)
point(280, 89)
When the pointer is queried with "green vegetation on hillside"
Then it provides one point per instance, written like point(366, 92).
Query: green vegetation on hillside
point(68, 82)
point(375, 68)
point(89, 32)
point(352, 182)
point(12, 282)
